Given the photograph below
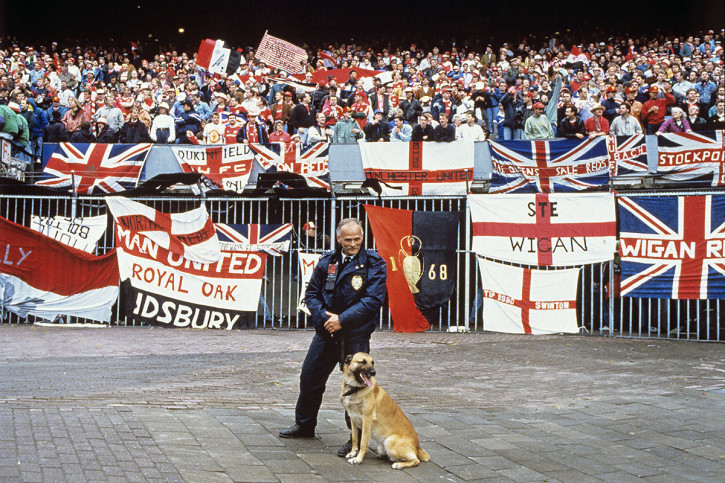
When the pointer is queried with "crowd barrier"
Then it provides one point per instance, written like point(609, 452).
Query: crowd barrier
point(699, 320)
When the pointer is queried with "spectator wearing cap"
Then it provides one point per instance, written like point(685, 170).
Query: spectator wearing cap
point(377, 129)
point(104, 133)
point(538, 126)
point(597, 125)
point(625, 124)
point(163, 129)
point(360, 109)
point(187, 121)
point(655, 109)
point(313, 238)
point(346, 130)
point(610, 104)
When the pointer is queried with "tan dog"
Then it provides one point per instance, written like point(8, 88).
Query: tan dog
point(375, 416)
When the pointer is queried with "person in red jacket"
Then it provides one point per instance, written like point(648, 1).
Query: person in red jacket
point(655, 109)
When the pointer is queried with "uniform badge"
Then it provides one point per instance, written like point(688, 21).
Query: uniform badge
point(356, 282)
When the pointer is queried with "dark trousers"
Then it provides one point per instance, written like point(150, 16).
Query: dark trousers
point(322, 358)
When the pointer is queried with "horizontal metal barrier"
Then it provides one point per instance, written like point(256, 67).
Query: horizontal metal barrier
point(598, 314)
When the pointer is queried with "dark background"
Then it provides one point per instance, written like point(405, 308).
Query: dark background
point(424, 22)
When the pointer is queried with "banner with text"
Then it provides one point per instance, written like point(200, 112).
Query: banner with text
point(227, 166)
point(544, 229)
point(160, 287)
point(81, 233)
point(694, 158)
point(419, 168)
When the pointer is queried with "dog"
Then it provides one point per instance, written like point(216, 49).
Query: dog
point(375, 416)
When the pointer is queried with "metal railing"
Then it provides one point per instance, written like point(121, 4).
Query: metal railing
point(598, 314)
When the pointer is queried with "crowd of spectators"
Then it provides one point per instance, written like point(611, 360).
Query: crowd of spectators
point(508, 91)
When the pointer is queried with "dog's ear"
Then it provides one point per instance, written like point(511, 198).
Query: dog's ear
point(348, 359)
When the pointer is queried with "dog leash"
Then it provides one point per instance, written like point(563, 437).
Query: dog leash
point(342, 353)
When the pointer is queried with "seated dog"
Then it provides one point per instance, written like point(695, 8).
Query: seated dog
point(375, 416)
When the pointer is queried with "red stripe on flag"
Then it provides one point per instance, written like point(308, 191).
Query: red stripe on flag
point(526, 299)
point(203, 56)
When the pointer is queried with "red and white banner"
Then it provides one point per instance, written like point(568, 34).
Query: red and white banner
point(419, 168)
point(216, 58)
point(282, 55)
point(544, 229)
point(696, 158)
point(528, 301)
point(308, 262)
point(227, 166)
point(162, 288)
point(45, 278)
point(81, 233)
point(576, 55)
point(190, 234)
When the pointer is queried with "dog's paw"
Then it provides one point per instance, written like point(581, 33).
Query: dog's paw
point(397, 466)
point(351, 454)
point(356, 460)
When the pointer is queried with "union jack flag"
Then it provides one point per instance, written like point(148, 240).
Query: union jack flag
point(549, 166)
point(272, 239)
point(627, 157)
point(696, 158)
point(673, 246)
point(308, 160)
point(93, 168)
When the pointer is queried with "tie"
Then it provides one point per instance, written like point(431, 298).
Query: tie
point(347, 260)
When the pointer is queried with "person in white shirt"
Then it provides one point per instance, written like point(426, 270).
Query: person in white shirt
point(214, 131)
point(470, 130)
point(625, 124)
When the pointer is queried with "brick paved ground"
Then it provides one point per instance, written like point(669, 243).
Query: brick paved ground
point(143, 404)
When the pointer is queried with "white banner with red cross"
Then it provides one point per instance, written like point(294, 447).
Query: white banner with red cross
point(419, 168)
point(544, 229)
point(520, 300)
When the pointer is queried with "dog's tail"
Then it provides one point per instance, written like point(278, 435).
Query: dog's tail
point(422, 455)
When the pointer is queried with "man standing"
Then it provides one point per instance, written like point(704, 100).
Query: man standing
point(538, 125)
point(625, 124)
point(344, 296)
point(597, 125)
point(655, 109)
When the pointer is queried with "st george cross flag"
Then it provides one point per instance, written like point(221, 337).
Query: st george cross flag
point(272, 239)
point(308, 262)
point(159, 287)
point(576, 55)
point(549, 166)
point(309, 161)
point(227, 166)
point(695, 158)
point(544, 229)
point(282, 55)
point(627, 157)
point(419, 248)
point(673, 246)
point(419, 168)
point(94, 168)
point(45, 278)
point(190, 234)
point(215, 57)
point(528, 301)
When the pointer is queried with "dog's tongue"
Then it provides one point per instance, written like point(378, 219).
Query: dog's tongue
point(366, 380)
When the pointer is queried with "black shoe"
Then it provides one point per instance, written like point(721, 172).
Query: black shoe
point(345, 449)
point(297, 431)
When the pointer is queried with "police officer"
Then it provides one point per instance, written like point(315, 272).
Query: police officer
point(344, 295)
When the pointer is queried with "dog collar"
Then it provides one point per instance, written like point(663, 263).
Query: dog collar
point(353, 391)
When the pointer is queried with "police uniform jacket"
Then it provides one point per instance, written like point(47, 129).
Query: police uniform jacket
point(357, 295)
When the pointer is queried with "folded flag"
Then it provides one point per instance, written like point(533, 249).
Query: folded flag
point(528, 301)
point(190, 234)
point(42, 277)
point(271, 239)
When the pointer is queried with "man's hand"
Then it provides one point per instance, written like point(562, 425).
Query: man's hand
point(333, 323)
